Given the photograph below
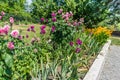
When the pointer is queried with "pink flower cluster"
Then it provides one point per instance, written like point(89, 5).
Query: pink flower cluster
point(42, 28)
point(54, 19)
point(10, 45)
point(76, 23)
point(4, 30)
point(67, 15)
point(43, 20)
point(15, 33)
point(60, 11)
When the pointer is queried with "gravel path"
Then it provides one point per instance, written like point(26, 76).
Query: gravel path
point(111, 69)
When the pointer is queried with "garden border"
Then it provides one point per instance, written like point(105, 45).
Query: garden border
point(96, 68)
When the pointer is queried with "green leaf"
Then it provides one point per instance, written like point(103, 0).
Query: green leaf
point(8, 60)
point(1, 71)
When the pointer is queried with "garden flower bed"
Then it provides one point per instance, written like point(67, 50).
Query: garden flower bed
point(60, 49)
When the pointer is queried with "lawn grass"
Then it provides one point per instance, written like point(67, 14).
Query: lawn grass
point(23, 29)
point(115, 40)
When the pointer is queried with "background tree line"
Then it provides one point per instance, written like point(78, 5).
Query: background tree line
point(93, 11)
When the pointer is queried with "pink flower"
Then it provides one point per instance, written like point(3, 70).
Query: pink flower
point(67, 14)
point(53, 28)
point(0, 17)
point(79, 42)
point(82, 20)
point(67, 18)
point(11, 20)
point(15, 33)
point(60, 11)
point(75, 23)
point(6, 29)
point(43, 31)
point(10, 45)
point(2, 32)
point(42, 19)
point(69, 24)
point(43, 27)
point(54, 19)
point(77, 50)
point(53, 14)
point(71, 43)
point(2, 13)
point(79, 23)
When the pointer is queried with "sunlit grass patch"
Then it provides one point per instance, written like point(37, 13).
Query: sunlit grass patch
point(115, 40)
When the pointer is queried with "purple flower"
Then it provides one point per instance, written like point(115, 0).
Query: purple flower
point(42, 19)
point(53, 14)
point(79, 42)
point(53, 28)
point(43, 31)
point(32, 27)
point(20, 37)
point(28, 29)
point(54, 19)
point(77, 50)
point(43, 27)
point(71, 43)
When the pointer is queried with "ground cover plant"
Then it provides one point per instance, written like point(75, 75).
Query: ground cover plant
point(59, 49)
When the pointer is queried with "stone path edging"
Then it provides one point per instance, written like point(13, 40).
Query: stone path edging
point(95, 70)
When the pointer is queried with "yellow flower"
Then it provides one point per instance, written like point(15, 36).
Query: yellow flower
point(99, 30)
